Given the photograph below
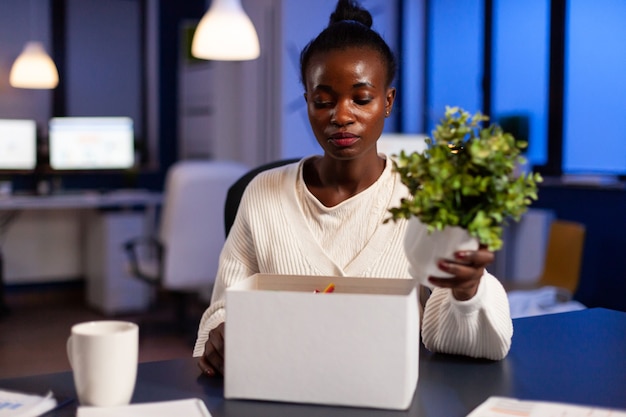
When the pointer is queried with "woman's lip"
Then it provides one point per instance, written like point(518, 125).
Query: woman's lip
point(343, 141)
point(343, 135)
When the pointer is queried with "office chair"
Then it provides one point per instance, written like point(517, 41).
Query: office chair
point(182, 259)
point(552, 292)
point(563, 255)
point(233, 197)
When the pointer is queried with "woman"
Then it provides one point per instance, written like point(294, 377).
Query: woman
point(324, 215)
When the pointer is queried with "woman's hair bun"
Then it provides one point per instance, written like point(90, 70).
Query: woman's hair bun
point(350, 26)
point(350, 10)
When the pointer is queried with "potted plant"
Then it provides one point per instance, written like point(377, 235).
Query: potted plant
point(464, 188)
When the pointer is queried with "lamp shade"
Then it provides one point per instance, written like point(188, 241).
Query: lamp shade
point(225, 33)
point(34, 68)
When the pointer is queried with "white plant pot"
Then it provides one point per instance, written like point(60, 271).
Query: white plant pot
point(424, 250)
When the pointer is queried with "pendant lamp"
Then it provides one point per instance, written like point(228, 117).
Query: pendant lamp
point(34, 68)
point(225, 33)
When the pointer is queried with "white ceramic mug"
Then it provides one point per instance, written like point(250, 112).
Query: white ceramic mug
point(103, 356)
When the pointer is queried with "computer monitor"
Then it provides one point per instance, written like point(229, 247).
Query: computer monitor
point(91, 143)
point(18, 145)
point(392, 143)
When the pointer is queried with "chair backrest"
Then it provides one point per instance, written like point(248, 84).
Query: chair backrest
point(191, 227)
point(564, 255)
point(235, 192)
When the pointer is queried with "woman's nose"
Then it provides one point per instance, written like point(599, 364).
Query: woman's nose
point(343, 114)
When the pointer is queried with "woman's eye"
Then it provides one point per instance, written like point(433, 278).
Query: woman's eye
point(362, 101)
point(322, 104)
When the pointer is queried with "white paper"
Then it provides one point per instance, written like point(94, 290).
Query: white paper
point(17, 404)
point(192, 407)
point(510, 407)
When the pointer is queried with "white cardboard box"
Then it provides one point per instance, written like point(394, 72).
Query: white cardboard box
point(358, 346)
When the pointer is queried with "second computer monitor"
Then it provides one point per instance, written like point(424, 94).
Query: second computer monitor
point(91, 143)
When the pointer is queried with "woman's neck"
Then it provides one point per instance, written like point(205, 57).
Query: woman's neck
point(333, 181)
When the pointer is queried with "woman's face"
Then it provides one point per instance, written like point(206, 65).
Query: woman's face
point(347, 100)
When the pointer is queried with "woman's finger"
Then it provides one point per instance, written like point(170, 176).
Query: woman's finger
point(205, 367)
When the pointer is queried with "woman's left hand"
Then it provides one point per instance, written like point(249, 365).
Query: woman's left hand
point(467, 267)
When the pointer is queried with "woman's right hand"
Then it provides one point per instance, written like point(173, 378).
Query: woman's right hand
point(212, 360)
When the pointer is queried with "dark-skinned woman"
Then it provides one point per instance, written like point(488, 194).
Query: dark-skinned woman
point(324, 215)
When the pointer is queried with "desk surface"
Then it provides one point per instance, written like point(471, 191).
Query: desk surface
point(576, 357)
point(81, 200)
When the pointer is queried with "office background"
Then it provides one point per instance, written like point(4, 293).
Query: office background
point(558, 64)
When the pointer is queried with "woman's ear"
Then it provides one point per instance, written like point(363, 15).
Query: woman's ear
point(390, 98)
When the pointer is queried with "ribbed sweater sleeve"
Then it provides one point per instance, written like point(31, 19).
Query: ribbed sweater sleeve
point(237, 261)
point(259, 241)
point(480, 327)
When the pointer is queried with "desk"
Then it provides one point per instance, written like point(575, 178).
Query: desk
point(108, 222)
point(576, 357)
point(80, 200)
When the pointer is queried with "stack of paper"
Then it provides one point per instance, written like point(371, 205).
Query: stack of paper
point(192, 407)
point(510, 407)
point(17, 404)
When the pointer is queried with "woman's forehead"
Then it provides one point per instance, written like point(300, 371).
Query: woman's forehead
point(347, 54)
point(353, 63)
